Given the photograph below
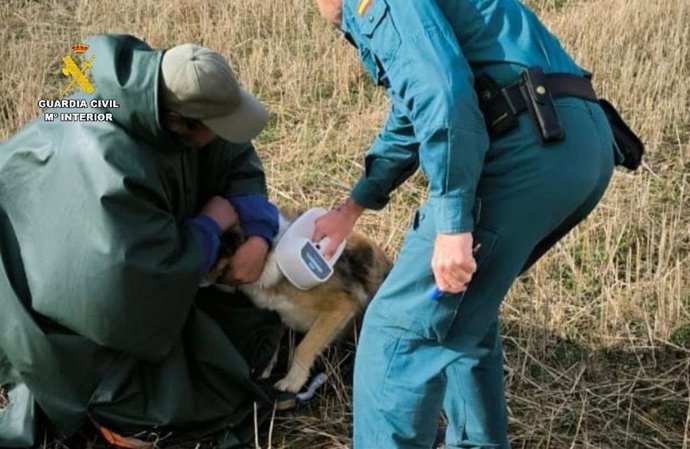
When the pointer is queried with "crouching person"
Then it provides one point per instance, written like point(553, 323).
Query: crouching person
point(106, 229)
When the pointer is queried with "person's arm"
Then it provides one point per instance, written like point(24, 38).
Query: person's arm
point(429, 79)
point(232, 169)
point(259, 222)
point(208, 233)
point(216, 217)
point(258, 216)
point(391, 159)
point(432, 83)
point(236, 172)
point(140, 270)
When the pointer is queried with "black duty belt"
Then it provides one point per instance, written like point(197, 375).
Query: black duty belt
point(534, 92)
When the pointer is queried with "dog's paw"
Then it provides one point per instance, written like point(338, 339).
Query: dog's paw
point(295, 379)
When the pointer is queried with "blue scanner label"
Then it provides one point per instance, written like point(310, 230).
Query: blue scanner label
point(315, 261)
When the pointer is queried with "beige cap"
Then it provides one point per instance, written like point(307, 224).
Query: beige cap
point(198, 83)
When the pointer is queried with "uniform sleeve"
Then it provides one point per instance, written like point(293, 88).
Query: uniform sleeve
point(430, 80)
point(391, 159)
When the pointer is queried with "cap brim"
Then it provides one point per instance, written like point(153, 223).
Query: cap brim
point(244, 124)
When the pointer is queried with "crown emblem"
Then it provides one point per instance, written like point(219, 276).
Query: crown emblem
point(79, 48)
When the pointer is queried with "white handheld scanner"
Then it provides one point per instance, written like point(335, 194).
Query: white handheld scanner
point(300, 259)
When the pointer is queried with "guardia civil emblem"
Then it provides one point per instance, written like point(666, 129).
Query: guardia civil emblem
point(76, 69)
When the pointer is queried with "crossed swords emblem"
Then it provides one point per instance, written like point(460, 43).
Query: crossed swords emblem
point(78, 74)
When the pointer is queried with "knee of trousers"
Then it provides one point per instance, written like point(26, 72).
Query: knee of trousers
point(398, 392)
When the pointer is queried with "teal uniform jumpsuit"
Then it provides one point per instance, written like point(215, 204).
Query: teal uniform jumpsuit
point(418, 356)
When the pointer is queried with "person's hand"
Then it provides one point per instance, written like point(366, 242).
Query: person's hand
point(336, 225)
point(452, 262)
point(221, 211)
point(247, 264)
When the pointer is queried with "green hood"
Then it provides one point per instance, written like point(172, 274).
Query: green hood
point(127, 69)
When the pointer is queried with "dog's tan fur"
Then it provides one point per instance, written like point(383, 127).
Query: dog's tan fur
point(323, 312)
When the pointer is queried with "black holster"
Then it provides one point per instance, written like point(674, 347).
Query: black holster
point(536, 91)
point(500, 115)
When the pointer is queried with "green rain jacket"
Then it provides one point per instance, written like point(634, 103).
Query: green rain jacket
point(98, 273)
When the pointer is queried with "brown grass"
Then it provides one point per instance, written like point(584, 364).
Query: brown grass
point(597, 334)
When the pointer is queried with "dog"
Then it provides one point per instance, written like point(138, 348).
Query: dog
point(322, 313)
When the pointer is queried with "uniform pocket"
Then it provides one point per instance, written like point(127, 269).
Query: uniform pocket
point(378, 27)
point(372, 16)
point(405, 299)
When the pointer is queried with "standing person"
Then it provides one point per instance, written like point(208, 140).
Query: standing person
point(106, 229)
point(514, 159)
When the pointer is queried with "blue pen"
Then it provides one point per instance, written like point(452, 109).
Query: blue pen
point(435, 294)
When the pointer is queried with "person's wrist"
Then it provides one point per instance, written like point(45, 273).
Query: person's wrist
point(222, 222)
point(352, 208)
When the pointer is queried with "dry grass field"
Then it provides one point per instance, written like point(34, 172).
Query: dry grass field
point(597, 334)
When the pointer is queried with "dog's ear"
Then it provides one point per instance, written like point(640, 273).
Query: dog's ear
point(291, 214)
